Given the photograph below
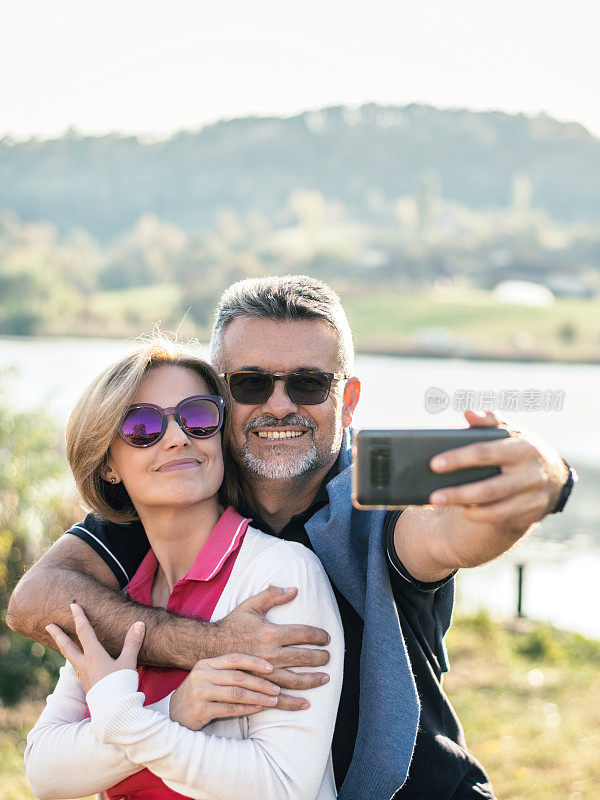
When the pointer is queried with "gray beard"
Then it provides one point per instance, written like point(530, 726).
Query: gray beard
point(283, 466)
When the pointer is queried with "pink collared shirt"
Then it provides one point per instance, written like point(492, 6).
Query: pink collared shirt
point(196, 595)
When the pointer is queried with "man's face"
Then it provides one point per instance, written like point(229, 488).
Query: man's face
point(259, 440)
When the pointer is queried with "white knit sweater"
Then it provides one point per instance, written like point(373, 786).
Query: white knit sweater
point(272, 755)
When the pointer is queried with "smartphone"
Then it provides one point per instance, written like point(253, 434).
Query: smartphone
point(390, 468)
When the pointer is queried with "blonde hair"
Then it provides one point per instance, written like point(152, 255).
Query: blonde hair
point(94, 425)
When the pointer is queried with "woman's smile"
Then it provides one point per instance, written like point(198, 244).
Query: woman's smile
point(179, 463)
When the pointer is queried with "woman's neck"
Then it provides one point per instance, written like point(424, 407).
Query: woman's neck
point(176, 536)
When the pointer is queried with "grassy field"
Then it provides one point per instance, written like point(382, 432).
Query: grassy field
point(133, 311)
point(473, 321)
point(527, 697)
point(456, 320)
point(14, 724)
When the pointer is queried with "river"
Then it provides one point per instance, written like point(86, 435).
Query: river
point(562, 556)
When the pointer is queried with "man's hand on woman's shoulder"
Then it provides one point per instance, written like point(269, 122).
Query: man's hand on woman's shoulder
point(247, 630)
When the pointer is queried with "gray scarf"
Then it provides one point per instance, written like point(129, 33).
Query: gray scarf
point(350, 545)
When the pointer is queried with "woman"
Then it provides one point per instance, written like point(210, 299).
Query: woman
point(144, 442)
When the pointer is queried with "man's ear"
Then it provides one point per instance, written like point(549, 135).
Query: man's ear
point(351, 397)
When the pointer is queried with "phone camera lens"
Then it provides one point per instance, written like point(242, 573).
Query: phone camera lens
point(380, 467)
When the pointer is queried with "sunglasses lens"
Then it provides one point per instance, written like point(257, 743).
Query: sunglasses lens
point(304, 388)
point(308, 388)
point(251, 388)
point(141, 426)
point(200, 418)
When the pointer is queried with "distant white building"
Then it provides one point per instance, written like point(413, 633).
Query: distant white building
point(524, 293)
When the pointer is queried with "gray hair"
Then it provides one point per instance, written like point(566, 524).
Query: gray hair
point(284, 297)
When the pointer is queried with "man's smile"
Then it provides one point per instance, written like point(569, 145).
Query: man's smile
point(262, 434)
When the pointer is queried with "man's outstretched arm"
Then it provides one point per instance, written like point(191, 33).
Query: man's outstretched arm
point(72, 571)
point(474, 523)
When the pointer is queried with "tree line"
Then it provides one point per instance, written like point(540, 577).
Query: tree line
point(105, 183)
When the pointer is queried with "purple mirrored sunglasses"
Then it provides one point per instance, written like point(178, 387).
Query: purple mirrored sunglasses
point(200, 416)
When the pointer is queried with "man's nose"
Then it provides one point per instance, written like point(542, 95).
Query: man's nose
point(279, 404)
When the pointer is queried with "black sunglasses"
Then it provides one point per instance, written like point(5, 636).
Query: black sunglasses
point(304, 387)
point(200, 416)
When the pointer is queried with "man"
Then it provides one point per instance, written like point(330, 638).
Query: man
point(285, 347)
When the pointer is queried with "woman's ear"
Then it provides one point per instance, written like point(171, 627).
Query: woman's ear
point(109, 475)
point(351, 397)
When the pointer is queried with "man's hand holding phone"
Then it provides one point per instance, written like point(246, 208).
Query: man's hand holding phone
point(470, 523)
point(525, 490)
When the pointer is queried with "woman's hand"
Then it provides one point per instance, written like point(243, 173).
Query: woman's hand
point(223, 687)
point(93, 662)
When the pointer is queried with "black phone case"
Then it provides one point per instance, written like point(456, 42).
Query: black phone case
point(391, 467)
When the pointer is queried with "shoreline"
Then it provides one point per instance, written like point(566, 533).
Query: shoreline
point(465, 354)
point(461, 351)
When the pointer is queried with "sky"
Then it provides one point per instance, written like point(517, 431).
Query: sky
point(154, 67)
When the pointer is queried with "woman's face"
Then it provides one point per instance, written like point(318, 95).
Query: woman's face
point(179, 470)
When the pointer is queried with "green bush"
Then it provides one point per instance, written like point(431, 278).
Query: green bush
point(27, 668)
point(541, 644)
point(36, 504)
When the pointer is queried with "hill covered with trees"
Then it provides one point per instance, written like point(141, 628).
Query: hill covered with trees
point(364, 158)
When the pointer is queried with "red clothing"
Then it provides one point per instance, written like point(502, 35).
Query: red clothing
point(196, 595)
